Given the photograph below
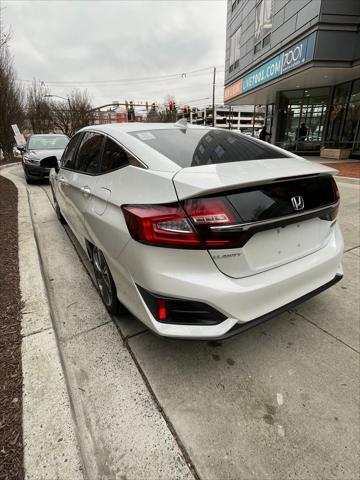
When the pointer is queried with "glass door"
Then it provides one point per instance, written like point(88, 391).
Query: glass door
point(312, 121)
point(302, 116)
point(288, 120)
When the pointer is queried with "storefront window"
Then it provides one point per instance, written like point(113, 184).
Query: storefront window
point(337, 114)
point(301, 119)
point(351, 131)
point(341, 93)
point(269, 118)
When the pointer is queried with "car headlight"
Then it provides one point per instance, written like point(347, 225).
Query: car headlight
point(31, 160)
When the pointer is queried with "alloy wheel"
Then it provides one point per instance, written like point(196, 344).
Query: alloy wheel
point(103, 277)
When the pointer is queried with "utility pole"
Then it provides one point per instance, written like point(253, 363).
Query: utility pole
point(213, 99)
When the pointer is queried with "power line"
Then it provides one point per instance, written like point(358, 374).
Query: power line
point(180, 75)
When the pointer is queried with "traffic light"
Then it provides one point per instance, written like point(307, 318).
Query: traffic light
point(147, 105)
point(131, 112)
point(126, 105)
point(170, 105)
point(153, 107)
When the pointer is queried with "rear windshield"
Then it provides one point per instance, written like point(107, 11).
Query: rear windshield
point(192, 147)
point(47, 142)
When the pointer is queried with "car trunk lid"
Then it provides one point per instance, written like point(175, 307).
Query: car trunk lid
point(205, 179)
point(284, 210)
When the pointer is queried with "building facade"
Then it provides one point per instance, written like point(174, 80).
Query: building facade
point(301, 60)
point(245, 118)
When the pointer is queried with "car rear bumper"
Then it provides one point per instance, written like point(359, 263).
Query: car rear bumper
point(36, 172)
point(242, 327)
point(190, 275)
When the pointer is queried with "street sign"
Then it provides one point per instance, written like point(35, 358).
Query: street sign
point(20, 140)
point(15, 129)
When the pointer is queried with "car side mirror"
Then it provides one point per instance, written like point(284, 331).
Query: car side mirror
point(21, 148)
point(50, 162)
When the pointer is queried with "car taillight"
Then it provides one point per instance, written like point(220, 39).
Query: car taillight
point(335, 190)
point(212, 212)
point(209, 211)
point(185, 225)
point(335, 210)
point(160, 225)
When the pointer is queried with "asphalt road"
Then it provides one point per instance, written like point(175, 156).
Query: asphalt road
point(280, 401)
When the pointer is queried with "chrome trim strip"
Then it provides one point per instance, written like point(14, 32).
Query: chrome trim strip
point(243, 227)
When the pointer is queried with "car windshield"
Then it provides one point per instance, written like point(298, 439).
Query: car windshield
point(192, 147)
point(48, 142)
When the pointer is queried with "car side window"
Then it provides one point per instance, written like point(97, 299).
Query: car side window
point(89, 153)
point(114, 156)
point(68, 157)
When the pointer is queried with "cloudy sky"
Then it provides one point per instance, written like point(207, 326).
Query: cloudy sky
point(120, 50)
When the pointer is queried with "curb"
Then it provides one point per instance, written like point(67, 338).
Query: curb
point(353, 180)
point(9, 165)
point(50, 445)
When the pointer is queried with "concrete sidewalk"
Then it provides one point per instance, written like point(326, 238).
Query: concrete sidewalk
point(50, 444)
point(121, 431)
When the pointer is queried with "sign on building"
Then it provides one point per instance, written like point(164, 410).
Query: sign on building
point(290, 59)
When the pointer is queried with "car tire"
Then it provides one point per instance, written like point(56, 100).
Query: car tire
point(29, 181)
point(104, 281)
point(57, 209)
point(59, 214)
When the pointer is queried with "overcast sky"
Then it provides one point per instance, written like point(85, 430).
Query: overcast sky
point(73, 43)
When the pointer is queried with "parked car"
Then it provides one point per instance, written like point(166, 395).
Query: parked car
point(38, 154)
point(199, 232)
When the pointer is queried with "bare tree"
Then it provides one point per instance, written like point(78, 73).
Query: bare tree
point(73, 114)
point(11, 97)
point(39, 112)
point(4, 34)
point(165, 114)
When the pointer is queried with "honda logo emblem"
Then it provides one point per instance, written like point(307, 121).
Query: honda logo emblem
point(297, 203)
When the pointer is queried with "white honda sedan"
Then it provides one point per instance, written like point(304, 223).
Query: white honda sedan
point(199, 232)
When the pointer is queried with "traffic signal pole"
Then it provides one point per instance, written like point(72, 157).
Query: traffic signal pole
point(213, 97)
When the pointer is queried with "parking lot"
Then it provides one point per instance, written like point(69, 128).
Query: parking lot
point(280, 401)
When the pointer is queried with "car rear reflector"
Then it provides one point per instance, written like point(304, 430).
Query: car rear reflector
point(161, 309)
point(181, 312)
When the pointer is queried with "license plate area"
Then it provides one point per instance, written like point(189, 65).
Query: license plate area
point(272, 248)
point(284, 244)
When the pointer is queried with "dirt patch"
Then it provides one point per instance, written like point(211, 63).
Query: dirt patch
point(11, 439)
point(346, 169)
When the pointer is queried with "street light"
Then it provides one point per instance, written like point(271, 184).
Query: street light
point(62, 98)
point(68, 100)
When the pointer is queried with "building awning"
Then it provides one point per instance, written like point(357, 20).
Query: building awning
point(311, 75)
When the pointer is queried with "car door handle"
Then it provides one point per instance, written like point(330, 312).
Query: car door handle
point(85, 191)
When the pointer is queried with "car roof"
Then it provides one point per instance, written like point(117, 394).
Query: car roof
point(151, 157)
point(136, 126)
